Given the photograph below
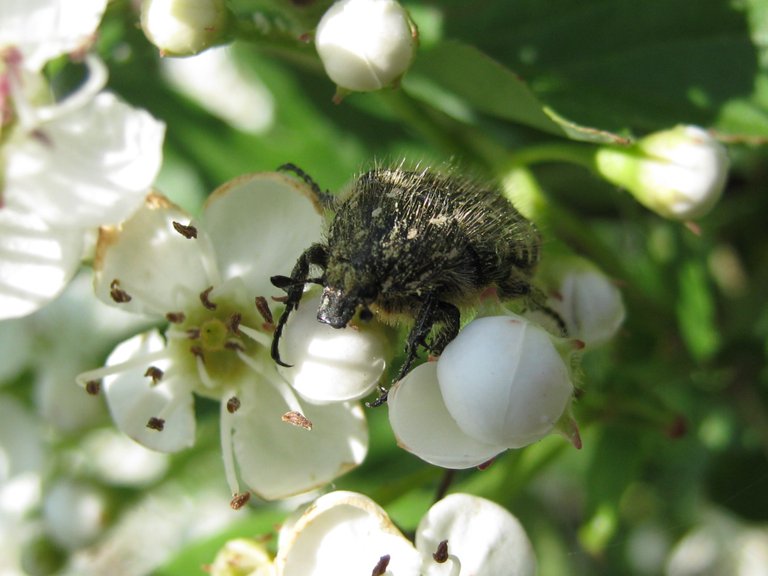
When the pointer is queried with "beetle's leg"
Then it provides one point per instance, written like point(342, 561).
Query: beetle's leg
point(294, 286)
point(432, 312)
point(324, 197)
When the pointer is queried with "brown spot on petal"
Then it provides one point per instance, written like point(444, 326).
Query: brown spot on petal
point(239, 500)
point(297, 419)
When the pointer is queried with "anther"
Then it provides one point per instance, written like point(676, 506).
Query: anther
point(198, 352)
point(175, 317)
point(233, 322)
point(188, 231)
point(263, 307)
point(381, 566)
point(205, 300)
point(193, 333)
point(234, 345)
point(155, 373)
point(156, 424)
point(441, 554)
point(93, 387)
point(297, 419)
point(239, 500)
point(118, 294)
point(233, 404)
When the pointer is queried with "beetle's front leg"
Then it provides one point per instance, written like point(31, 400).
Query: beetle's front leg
point(316, 254)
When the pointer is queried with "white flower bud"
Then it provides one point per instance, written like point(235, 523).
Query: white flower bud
point(365, 44)
point(75, 513)
point(183, 27)
point(504, 382)
point(678, 173)
point(586, 300)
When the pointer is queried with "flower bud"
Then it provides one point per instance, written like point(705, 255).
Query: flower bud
point(678, 173)
point(242, 557)
point(184, 27)
point(504, 381)
point(586, 300)
point(365, 44)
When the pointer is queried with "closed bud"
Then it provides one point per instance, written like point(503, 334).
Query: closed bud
point(678, 173)
point(184, 27)
point(365, 44)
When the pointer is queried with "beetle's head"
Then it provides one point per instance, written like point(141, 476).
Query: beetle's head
point(338, 306)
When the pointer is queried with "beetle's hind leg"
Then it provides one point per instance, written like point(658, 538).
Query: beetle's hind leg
point(316, 254)
point(324, 197)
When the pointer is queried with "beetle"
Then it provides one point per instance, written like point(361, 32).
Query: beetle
point(411, 244)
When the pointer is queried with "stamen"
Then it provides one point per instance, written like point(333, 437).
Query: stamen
point(441, 556)
point(203, 373)
point(233, 404)
point(139, 362)
point(263, 308)
point(381, 566)
point(297, 419)
point(233, 322)
point(234, 344)
point(239, 500)
point(256, 335)
point(204, 298)
point(93, 387)
point(156, 423)
point(118, 294)
point(188, 231)
point(155, 373)
point(175, 317)
point(227, 449)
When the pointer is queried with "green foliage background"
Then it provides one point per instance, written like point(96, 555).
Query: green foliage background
point(673, 414)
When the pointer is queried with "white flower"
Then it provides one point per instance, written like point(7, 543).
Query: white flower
point(678, 173)
point(345, 533)
point(242, 557)
point(183, 27)
point(75, 513)
point(211, 281)
point(501, 383)
point(365, 44)
point(84, 161)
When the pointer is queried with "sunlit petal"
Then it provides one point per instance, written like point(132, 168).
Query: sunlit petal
point(100, 160)
point(134, 398)
point(36, 261)
point(259, 224)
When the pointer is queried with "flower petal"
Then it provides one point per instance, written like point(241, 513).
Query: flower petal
point(158, 268)
point(278, 460)
point(485, 537)
point(330, 364)
point(99, 159)
point(259, 224)
point(423, 426)
point(36, 261)
point(45, 29)
point(134, 399)
point(344, 534)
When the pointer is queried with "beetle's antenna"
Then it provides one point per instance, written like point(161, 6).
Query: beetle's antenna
point(324, 197)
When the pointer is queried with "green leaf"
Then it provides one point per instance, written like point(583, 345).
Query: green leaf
point(696, 311)
point(461, 80)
